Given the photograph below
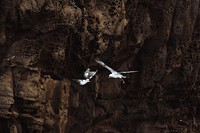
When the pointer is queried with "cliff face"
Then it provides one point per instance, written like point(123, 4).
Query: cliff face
point(44, 44)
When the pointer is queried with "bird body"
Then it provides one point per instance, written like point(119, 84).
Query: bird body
point(87, 75)
point(82, 81)
point(116, 75)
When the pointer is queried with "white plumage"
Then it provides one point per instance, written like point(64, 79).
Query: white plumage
point(114, 74)
point(87, 75)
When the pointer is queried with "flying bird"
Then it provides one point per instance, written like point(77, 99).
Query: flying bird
point(114, 74)
point(82, 81)
point(10, 58)
point(87, 75)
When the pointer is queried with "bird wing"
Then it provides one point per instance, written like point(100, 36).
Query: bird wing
point(12, 57)
point(86, 73)
point(128, 71)
point(91, 74)
point(104, 65)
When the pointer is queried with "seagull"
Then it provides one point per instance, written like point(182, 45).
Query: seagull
point(87, 75)
point(82, 81)
point(10, 58)
point(114, 74)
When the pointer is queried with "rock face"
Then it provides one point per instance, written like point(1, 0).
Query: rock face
point(44, 44)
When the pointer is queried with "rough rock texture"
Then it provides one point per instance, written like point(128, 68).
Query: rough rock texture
point(44, 44)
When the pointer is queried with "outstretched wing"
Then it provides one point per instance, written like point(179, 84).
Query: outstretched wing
point(89, 74)
point(104, 65)
point(129, 72)
point(92, 73)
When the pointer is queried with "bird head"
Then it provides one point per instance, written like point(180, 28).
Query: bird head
point(109, 76)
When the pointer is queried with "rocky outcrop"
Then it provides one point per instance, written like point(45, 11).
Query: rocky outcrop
point(44, 44)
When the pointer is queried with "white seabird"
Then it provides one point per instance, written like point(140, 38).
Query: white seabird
point(114, 74)
point(87, 75)
point(10, 58)
point(82, 81)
